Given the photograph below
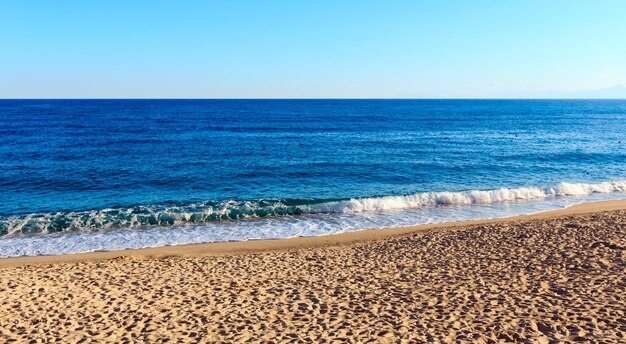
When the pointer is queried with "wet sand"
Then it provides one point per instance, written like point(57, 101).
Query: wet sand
point(545, 277)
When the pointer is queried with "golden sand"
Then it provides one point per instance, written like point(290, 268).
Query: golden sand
point(555, 276)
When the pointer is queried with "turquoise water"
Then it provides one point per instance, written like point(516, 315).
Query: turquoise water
point(83, 175)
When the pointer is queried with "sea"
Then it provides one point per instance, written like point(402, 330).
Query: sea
point(99, 175)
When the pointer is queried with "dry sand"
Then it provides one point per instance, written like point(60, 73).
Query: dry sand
point(558, 276)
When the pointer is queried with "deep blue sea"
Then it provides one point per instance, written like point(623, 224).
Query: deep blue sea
point(85, 175)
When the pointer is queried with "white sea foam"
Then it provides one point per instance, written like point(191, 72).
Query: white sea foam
point(142, 216)
point(314, 219)
point(469, 197)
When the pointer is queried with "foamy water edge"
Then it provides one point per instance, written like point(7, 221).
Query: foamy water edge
point(280, 227)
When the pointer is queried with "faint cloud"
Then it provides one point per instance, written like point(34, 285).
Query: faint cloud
point(510, 84)
point(551, 74)
point(605, 73)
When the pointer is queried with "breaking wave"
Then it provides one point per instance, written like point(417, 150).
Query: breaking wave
point(166, 215)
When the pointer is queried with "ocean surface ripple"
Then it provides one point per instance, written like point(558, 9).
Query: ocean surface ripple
point(82, 175)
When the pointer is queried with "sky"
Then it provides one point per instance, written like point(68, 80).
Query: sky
point(309, 49)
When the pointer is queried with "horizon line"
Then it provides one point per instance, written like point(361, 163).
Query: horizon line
point(302, 98)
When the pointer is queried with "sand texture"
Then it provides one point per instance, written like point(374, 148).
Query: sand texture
point(541, 280)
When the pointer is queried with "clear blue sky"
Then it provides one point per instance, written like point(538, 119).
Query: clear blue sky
point(231, 49)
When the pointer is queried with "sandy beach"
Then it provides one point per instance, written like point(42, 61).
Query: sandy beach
point(555, 276)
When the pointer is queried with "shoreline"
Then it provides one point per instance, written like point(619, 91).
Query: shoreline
point(287, 244)
point(556, 276)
